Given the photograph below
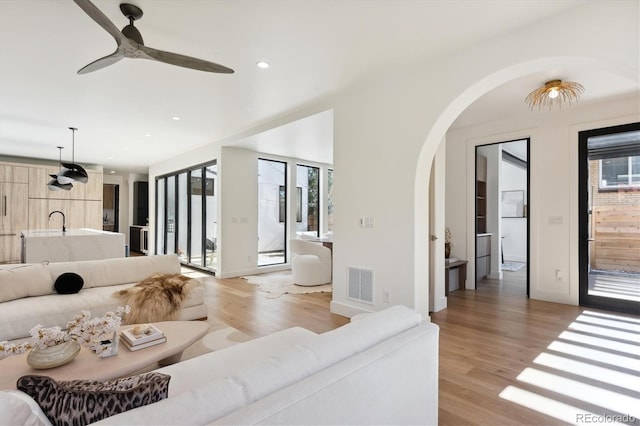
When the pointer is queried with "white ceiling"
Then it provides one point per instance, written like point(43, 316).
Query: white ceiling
point(315, 47)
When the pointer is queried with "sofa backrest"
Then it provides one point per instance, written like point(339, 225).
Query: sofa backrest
point(24, 281)
point(37, 279)
point(124, 270)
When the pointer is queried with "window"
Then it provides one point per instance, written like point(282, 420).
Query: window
point(619, 172)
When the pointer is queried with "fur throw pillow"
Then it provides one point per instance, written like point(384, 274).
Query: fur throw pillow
point(158, 297)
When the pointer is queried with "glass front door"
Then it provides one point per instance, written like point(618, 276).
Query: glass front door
point(609, 222)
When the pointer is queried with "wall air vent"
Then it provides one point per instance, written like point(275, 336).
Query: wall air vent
point(360, 284)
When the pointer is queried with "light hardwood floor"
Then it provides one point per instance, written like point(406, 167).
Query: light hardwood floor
point(489, 339)
point(501, 353)
point(240, 305)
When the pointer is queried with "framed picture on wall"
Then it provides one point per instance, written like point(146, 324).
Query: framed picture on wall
point(512, 203)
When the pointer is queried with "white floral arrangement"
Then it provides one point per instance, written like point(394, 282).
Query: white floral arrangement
point(448, 237)
point(93, 333)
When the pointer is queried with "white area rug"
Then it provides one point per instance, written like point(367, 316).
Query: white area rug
point(512, 266)
point(277, 284)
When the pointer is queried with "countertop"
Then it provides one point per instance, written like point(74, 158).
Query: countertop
point(32, 233)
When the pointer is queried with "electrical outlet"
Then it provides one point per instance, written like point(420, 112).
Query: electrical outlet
point(558, 275)
point(386, 297)
point(367, 222)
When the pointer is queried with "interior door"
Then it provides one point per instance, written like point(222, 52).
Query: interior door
point(609, 205)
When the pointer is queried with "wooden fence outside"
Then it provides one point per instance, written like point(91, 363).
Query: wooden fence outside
point(616, 238)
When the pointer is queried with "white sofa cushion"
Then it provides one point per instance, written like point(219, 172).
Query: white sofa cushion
point(125, 270)
point(280, 370)
point(205, 388)
point(357, 336)
point(19, 316)
point(24, 281)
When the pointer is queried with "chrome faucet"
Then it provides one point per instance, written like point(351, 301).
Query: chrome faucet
point(64, 228)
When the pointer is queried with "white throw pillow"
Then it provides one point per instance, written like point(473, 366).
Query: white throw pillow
point(18, 408)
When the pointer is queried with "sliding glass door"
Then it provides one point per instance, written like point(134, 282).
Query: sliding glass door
point(186, 216)
point(609, 203)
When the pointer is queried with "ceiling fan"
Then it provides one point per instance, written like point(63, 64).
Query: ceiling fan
point(131, 45)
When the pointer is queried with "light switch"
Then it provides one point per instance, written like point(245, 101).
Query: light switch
point(555, 220)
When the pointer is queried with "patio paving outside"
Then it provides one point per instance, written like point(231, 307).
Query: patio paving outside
point(616, 285)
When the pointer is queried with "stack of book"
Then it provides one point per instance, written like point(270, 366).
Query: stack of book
point(141, 336)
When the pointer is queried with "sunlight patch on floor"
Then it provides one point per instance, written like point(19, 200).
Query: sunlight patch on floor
point(590, 371)
point(595, 363)
point(550, 407)
point(582, 391)
point(595, 355)
point(635, 328)
point(601, 342)
point(602, 331)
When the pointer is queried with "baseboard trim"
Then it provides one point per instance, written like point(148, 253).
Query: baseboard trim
point(440, 304)
point(495, 275)
point(256, 271)
point(520, 259)
point(345, 310)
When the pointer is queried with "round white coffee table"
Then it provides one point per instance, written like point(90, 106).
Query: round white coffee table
point(89, 366)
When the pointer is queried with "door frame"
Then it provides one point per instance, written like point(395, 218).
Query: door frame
point(607, 303)
point(528, 200)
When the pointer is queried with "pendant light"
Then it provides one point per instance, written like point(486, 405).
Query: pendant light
point(54, 184)
point(72, 172)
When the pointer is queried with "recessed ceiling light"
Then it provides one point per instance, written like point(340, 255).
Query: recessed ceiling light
point(109, 158)
point(112, 172)
point(175, 118)
point(147, 135)
point(262, 64)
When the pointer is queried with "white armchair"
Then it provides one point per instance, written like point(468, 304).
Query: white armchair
point(310, 263)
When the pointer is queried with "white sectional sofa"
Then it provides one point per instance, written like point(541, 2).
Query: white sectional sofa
point(381, 369)
point(27, 295)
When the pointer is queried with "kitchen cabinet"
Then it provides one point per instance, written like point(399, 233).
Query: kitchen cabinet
point(140, 203)
point(14, 204)
point(26, 202)
point(14, 174)
point(483, 255)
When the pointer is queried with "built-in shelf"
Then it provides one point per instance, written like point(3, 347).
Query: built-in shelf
point(483, 240)
point(481, 206)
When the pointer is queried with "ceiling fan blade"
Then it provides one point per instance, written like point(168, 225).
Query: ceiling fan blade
point(101, 19)
point(184, 61)
point(102, 62)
